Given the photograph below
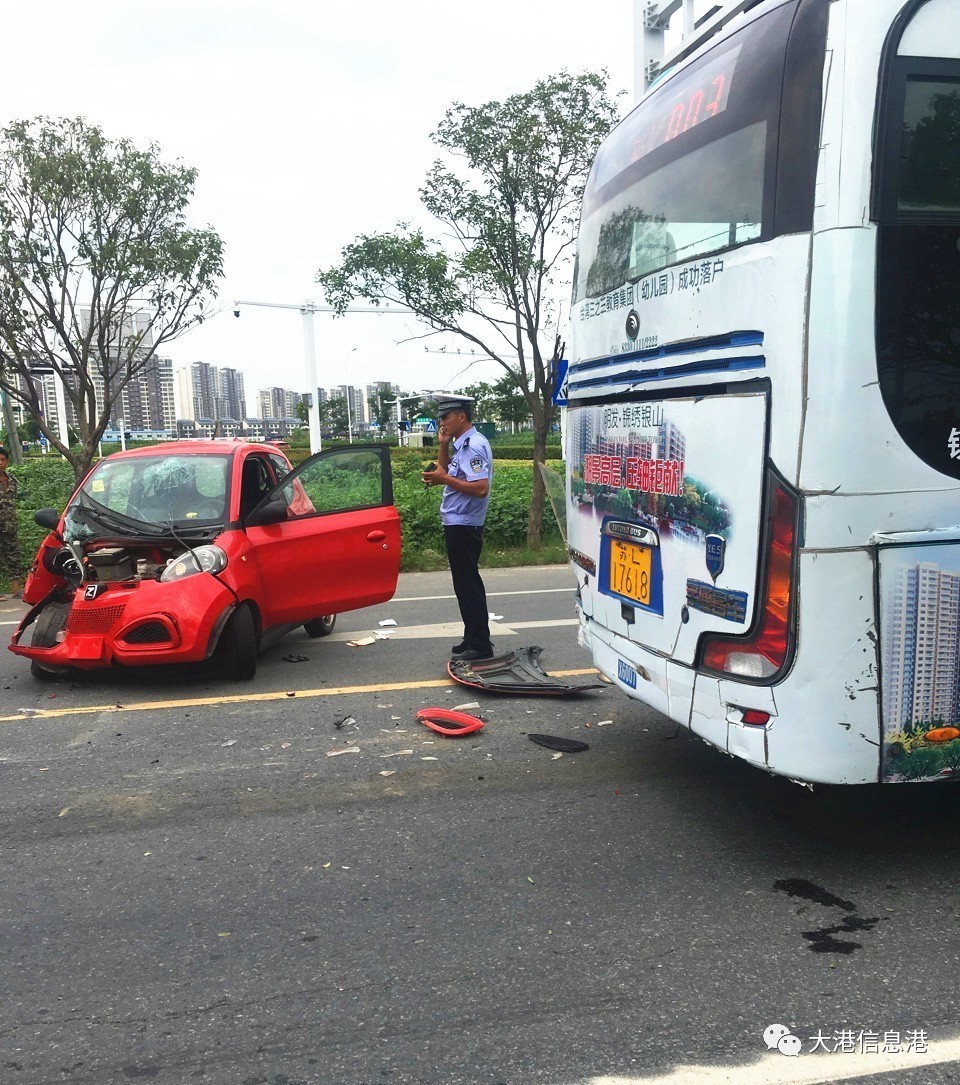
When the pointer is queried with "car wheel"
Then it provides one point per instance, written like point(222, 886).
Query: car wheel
point(320, 627)
point(41, 673)
point(50, 621)
point(237, 650)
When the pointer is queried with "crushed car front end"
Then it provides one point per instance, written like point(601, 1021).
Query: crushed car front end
point(129, 615)
point(133, 573)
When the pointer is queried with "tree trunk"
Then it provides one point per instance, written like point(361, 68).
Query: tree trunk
point(541, 428)
point(13, 437)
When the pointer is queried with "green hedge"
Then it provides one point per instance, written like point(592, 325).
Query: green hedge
point(47, 482)
point(507, 514)
point(42, 483)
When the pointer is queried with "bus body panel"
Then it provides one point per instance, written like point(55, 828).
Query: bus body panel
point(686, 338)
point(838, 454)
point(824, 723)
point(828, 727)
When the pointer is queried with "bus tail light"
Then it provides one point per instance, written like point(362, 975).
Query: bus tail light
point(765, 652)
point(755, 717)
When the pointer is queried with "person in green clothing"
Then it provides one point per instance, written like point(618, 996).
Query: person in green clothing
point(9, 541)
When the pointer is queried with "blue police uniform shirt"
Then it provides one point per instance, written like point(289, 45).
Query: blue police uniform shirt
point(471, 459)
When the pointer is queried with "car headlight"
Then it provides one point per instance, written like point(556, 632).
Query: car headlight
point(201, 559)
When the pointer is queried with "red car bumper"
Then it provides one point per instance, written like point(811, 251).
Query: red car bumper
point(135, 624)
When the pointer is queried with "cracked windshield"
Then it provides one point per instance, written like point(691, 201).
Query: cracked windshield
point(153, 490)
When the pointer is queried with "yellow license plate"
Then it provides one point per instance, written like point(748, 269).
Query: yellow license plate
point(630, 571)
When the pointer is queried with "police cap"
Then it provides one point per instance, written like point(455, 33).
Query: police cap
point(446, 402)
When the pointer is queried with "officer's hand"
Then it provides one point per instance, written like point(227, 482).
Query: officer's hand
point(434, 476)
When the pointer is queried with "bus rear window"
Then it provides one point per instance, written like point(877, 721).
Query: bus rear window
point(691, 170)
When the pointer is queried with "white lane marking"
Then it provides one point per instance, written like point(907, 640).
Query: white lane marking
point(490, 595)
point(544, 624)
point(821, 1069)
point(440, 630)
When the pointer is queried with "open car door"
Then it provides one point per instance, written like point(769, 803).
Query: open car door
point(327, 538)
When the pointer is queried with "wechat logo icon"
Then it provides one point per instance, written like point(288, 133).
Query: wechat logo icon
point(779, 1037)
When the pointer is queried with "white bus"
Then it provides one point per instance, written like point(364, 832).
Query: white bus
point(763, 431)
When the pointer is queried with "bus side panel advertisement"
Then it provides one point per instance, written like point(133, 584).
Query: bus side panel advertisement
point(664, 509)
point(920, 665)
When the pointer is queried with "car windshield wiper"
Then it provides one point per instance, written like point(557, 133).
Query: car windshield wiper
point(99, 515)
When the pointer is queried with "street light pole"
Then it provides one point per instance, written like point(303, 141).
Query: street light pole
point(313, 411)
point(346, 394)
point(308, 309)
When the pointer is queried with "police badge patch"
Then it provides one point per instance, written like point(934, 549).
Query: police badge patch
point(476, 464)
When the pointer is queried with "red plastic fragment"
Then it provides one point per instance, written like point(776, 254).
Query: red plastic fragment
point(435, 718)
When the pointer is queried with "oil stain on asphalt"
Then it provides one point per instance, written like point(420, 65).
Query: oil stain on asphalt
point(825, 939)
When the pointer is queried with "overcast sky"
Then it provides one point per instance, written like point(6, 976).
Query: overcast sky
point(309, 123)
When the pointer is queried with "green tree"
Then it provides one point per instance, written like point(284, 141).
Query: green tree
point(380, 406)
point(483, 396)
point(335, 414)
point(100, 270)
point(509, 403)
point(511, 215)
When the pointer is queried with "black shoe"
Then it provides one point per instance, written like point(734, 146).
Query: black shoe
point(471, 654)
point(458, 648)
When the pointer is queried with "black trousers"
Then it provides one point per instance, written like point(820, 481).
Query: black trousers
point(463, 552)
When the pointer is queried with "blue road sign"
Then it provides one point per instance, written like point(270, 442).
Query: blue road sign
point(560, 383)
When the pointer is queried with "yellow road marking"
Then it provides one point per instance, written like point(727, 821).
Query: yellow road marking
point(244, 698)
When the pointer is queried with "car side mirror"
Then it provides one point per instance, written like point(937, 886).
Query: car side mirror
point(273, 511)
point(48, 518)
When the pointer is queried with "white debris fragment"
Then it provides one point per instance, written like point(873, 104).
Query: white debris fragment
point(399, 753)
point(464, 707)
point(429, 758)
point(362, 642)
point(388, 621)
point(604, 723)
point(556, 756)
point(229, 742)
point(387, 772)
point(495, 617)
point(349, 749)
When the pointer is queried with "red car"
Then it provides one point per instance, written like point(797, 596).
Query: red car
point(189, 551)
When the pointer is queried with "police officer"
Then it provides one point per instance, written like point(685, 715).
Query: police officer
point(465, 470)
point(9, 542)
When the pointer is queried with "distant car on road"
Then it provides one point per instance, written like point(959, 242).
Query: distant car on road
point(177, 554)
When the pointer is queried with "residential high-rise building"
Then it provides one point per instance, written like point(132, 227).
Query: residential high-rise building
point(198, 391)
point(233, 402)
point(386, 391)
point(145, 403)
point(356, 401)
point(278, 402)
